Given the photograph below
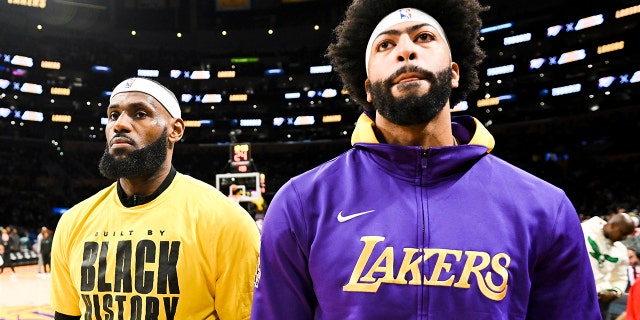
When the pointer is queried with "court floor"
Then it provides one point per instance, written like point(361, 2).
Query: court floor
point(24, 295)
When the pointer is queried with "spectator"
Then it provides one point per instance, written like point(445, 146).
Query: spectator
point(608, 256)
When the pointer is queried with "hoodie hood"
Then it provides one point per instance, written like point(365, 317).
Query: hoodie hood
point(467, 129)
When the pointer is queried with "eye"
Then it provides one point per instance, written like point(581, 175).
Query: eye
point(425, 37)
point(113, 116)
point(384, 45)
point(141, 114)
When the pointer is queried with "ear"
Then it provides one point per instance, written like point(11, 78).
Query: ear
point(367, 87)
point(177, 130)
point(455, 75)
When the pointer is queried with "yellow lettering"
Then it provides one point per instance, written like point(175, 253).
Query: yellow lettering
point(441, 265)
point(383, 264)
point(469, 268)
point(353, 285)
point(497, 293)
point(409, 265)
point(491, 272)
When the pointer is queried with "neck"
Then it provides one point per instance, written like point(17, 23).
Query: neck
point(436, 133)
point(145, 186)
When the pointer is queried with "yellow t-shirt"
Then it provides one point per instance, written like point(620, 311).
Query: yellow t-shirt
point(191, 253)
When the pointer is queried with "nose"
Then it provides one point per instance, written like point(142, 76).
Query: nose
point(406, 49)
point(122, 123)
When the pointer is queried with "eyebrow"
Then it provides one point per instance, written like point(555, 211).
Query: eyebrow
point(407, 30)
point(133, 105)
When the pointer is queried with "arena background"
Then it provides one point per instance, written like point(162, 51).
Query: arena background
point(559, 91)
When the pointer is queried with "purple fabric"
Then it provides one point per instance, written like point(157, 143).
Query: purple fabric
point(428, 234)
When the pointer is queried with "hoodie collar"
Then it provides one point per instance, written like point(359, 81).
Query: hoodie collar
point(467, 129)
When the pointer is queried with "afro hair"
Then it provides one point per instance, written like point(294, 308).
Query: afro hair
point(460, 20)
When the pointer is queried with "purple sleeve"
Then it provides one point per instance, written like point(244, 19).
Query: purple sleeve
point(284, 289)
point(563, 286)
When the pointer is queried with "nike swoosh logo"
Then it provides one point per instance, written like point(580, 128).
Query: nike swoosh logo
point(342, 218)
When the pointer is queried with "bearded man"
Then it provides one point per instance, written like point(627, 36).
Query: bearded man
point(156, 244)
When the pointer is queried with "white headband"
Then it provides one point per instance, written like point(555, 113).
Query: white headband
point(399, 16)
point(151, 88)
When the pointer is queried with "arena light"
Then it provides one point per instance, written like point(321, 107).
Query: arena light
point(461, 106)
point(496, 28)
point(605, 82)
point(329, 93)
point(175, 74)
point(332, 118)
point(226, 74)
point(32, 3)
point(559, 91)
point(273, 72)
point(238, 97)
point(500, 70)
point(61, 118)
point(279, 121)
point(60, 91)
point(320, 69)
point(292, 95)
point(245, 60)
point(627, 11)
point(148, 73)
point(250, 122)
point(200, 75)
point(304, 121)
point(554, 30)
point(635, 78)
point(572, 56)
point(536, 63)
point(185, 97)
point(192, 123)
point(4, 83)
point(101, 69)
point(31, 88)
point(589, 22)
point(5, 112)
point(517, 39)
point(54, 65)
point(212, 98)
point(611, 47)
point(487, 102)
point(35, 116)
point(507, 97)
point(22, 61)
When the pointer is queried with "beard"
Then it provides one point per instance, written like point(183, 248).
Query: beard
point(139, 163)
point(412, 108)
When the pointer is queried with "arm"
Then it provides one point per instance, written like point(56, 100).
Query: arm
point(64, 297)
point(619, 276)
point(237, 265)
point(562, 278)
point(284, 289)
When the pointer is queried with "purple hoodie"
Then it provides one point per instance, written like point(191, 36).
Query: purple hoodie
point(394, 232)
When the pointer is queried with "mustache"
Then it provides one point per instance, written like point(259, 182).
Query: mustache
point(121, 136)
point(426, 74)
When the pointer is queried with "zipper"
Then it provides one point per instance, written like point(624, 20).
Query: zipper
point(423, 167)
